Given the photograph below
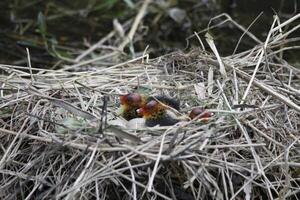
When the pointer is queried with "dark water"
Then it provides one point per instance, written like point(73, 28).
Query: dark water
point(50, 27)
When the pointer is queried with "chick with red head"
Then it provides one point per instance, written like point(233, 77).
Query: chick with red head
point(129, 104)
point(156, 113)
point(133, 101)
point(201, 113)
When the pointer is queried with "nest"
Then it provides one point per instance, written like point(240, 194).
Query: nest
point(56, 141)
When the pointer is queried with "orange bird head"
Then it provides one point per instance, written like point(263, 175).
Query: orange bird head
point(132, 99)
point(156, 113)
point(151, 109)
point(129, 104)
point(201, 112)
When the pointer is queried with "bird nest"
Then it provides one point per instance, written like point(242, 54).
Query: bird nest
point(57, 141)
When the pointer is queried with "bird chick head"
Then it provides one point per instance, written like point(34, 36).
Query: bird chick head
point(201, 112)
point(132, 99)
point(152, 109)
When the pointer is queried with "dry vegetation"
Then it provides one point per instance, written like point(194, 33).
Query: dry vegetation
point(55, 141)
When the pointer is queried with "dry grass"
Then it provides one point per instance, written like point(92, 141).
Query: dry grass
point(55, 142)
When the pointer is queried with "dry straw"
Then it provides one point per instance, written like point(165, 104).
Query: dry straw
point(55, 141)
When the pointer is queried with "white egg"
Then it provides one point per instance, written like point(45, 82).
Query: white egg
point(136, 123)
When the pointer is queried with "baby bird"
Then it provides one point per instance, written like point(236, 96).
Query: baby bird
point(156, 113)
point(129, 104)
point(174, 103)
point(201, 112)
point(133, 101)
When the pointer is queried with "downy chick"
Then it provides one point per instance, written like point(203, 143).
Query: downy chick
point(133, 101)
point(156, 113)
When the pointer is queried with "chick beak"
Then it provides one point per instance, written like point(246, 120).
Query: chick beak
point(140, 111)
